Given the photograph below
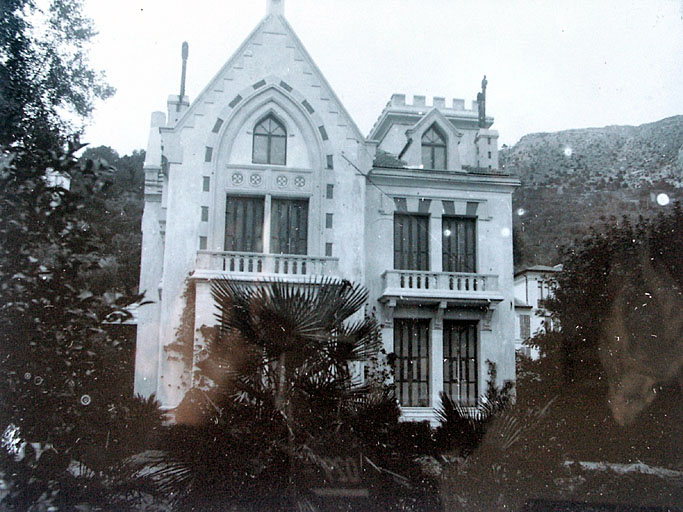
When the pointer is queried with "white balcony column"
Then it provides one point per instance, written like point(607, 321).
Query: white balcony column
point(267, 206)
point(435, 244)
point(436, 359)
point(268, 263)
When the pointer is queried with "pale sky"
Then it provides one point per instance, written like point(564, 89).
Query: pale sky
point(551, 64)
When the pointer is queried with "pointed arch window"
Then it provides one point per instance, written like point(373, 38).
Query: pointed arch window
point(434, 149)
point(270, 142)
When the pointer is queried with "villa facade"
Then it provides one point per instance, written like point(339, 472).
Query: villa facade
point(265, 176)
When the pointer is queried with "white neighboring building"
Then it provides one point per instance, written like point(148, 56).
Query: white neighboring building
point(266, 176)
point(533, 285)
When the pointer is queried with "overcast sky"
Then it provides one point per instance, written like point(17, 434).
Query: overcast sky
point(550, 64)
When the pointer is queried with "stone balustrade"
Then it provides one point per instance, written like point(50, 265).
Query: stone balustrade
point(439, 285)
point(259, 264)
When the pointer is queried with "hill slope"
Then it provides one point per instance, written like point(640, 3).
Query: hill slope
point(577, 178)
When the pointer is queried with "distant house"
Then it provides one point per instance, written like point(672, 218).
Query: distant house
point(532, 286)
point(266, 176)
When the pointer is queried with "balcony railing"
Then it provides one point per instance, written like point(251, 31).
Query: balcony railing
point(257, 264)
point(439, 285)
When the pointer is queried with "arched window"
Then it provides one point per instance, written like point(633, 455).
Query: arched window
point(434, 149)
point(270, 142)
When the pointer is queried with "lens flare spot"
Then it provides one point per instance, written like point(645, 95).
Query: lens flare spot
point(521, 211)
point(568, 151)
point(663, 199)
point(446, 232)
point(505, 232)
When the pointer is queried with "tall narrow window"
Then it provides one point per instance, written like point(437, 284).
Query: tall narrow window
point(460, 361)
point(289, 226)
point(270, 142)
point(459, 245)
point(411, 377)
point(541, 292)
point(244, 224)
point(411, 242)
point(524, 326)
point(434, 149)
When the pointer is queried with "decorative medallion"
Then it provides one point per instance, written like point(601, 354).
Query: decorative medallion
point(237, 178)
point(255, 180)
point(281, 180)
point(300, 181)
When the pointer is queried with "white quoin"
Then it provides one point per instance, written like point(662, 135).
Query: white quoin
point(276, 7)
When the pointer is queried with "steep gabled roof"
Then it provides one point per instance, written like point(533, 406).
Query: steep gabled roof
point(251, 38)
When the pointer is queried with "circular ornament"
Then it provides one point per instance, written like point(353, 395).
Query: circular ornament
point(281, 180)
point(300, 181)
point(237, 178)
point(255, 180)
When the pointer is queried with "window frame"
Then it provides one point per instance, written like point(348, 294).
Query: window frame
point(451, 260)
point(269, 136)
point(295, 208)
point(421, 259)
point(433, 146)
point(230, 236)
point(525, 326)
point(407, 330)
point(468, 363)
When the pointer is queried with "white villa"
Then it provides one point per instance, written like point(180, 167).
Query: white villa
point(533, 285)
point(265, 175)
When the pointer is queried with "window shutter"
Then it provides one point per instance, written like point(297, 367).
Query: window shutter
point(459, 244)
point(411, 242)
point(244, 224)
point(289, 226)
point(411, 346)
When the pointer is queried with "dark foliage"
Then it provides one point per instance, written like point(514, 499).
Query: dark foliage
point(615, 366)
point(283, 406)
point(61, 369)
point(618, 301)
point(461, 428)
point(116, 216)
point(44, 73)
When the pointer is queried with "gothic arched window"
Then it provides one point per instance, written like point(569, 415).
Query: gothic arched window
point(270, 142)
point(434, 149)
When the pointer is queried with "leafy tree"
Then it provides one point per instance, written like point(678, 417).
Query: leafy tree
point(116, 215)
point(46, 84)
point(283, 401)
point(616, 363)
point(60, 366)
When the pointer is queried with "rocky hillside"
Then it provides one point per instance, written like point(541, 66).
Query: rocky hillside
point(574, 179)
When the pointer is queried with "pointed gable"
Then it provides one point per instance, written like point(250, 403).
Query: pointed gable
point(271, 50)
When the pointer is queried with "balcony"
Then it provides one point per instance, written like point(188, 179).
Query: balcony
point(249, 266)
point(423, 286)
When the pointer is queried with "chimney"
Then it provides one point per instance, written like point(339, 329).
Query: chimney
point(276, 7)
point(177, 104)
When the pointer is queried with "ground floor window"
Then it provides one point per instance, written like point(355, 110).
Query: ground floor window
point(460, 368)
point(411, 346)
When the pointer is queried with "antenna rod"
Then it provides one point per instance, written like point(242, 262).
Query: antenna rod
point(185, 52)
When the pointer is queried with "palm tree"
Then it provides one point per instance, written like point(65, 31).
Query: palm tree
point(282, 395)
